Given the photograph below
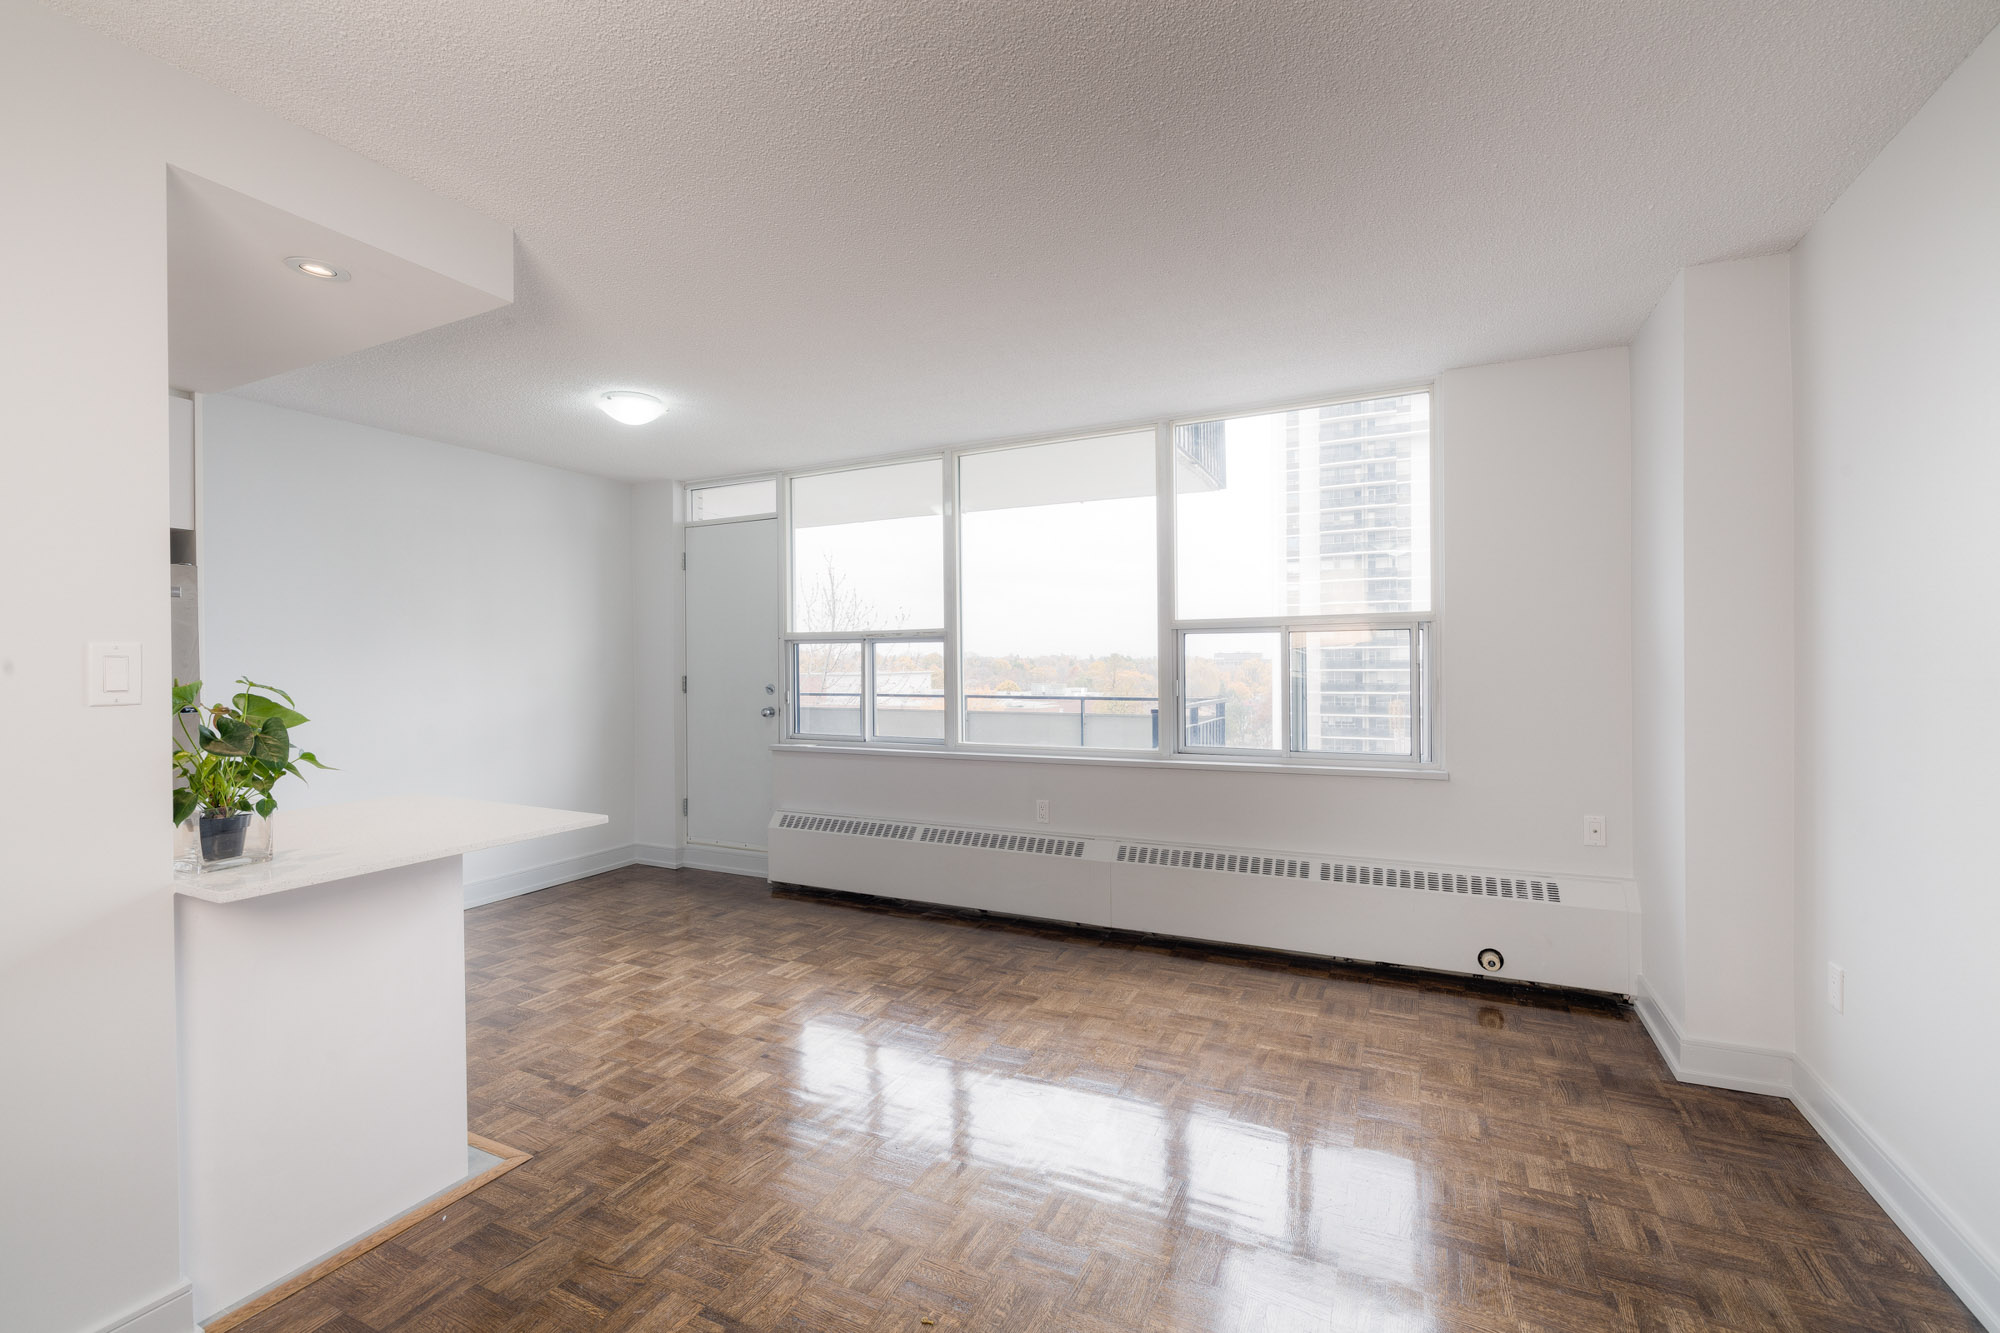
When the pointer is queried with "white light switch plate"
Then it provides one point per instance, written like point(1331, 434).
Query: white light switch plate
point(112, 675)
point(1593, 830)
point(1836, 987)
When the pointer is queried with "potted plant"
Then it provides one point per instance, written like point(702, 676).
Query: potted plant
point(227, 758)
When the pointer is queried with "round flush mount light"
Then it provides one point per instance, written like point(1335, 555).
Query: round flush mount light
point(630, 406)
point(316, 268)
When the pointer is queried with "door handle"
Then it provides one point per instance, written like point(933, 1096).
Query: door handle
point(767, 712)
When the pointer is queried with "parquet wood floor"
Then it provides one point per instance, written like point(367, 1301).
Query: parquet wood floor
point(779, 1112)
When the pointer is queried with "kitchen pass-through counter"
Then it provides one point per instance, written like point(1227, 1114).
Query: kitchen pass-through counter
point(322, 1033)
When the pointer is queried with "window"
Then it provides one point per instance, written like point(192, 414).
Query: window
point(826, 688)
point(741, 499)
point(1059, 601)
point(1354, 691)
point(1322, 511)
point(1023, 597)
point(867, 603)
point(883, 689)
point(868, 549)
point(1303, 537)
point(906, 681)
point(1231, 686)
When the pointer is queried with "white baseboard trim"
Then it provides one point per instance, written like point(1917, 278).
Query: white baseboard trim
point(697, 856)
point(1968, 1267)
point(1713, 1064)
point(655, 854)
point(171, 1311)
point(727, 860)
point(694, 856)
point(517, 882)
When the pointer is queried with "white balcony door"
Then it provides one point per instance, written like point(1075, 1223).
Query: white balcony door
point(734, 693)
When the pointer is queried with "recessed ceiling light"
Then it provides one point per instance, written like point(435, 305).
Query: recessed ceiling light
point(631, 407)
point(316, 268)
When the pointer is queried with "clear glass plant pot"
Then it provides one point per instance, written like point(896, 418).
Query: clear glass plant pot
point(203, 842)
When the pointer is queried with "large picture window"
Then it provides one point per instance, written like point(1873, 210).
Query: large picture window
point(868, 549)
point(1026, 597)
point(1058, 608)
point(1319, 511)
point(1303, 537)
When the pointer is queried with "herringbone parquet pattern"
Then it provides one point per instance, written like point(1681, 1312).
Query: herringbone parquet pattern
point(758, 1112)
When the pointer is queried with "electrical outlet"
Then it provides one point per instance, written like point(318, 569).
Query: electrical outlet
point(1041, 812)
point(1593, 830)
point(1836, 987)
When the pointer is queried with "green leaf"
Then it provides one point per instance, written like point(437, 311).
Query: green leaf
point(266, 806)
point(187, 696)
point(308, 757)
point(273, 743)
point(249, 684)
point(256, 708)
point(234, 737)
point(184, 803)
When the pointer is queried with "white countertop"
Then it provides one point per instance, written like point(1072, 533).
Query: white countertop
point(331, 842)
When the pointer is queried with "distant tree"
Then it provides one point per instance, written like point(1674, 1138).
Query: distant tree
point(831, 603)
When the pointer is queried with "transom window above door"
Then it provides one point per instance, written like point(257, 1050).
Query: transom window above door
point(734, 499)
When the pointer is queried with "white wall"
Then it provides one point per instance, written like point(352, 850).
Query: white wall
point(453, 622)
point(89, 1233)
point(1534, 540)
point(1659, 645)
point(1737, 487)
point(1712, 700)
point(1897, 319)
point(657, 625)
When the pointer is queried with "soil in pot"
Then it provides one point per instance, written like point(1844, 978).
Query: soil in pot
point(222, 835)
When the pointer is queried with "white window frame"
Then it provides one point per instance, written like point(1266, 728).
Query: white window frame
point(790, 638)
point(689, 488)
point(793, 694)
point(1421, 624)
point(867, 644)
point(1284, 708)
point(954, 648)
point(871, 694)
point(1427, 688)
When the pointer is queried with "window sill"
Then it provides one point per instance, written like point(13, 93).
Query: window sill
point(1430, 772)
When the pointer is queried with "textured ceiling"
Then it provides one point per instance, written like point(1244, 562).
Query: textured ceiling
point(850, 227)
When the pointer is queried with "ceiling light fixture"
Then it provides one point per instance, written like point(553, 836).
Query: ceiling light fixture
point(315, 268)
point(631, 407)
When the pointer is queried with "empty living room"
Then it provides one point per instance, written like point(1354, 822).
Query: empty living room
point(1034, 666)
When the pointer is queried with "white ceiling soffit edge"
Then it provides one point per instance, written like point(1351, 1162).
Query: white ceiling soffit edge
point(237, 313)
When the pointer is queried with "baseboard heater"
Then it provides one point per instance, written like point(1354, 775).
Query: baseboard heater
point(1565, 930)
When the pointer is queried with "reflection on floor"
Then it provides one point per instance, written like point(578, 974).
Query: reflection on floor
point(1329, 1202)
point(753, 1112)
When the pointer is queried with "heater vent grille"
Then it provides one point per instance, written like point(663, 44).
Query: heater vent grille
point(860, 828)
point(1442, 881)
point(1003, 842)
point(1468, 883)
point(1199, 858)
